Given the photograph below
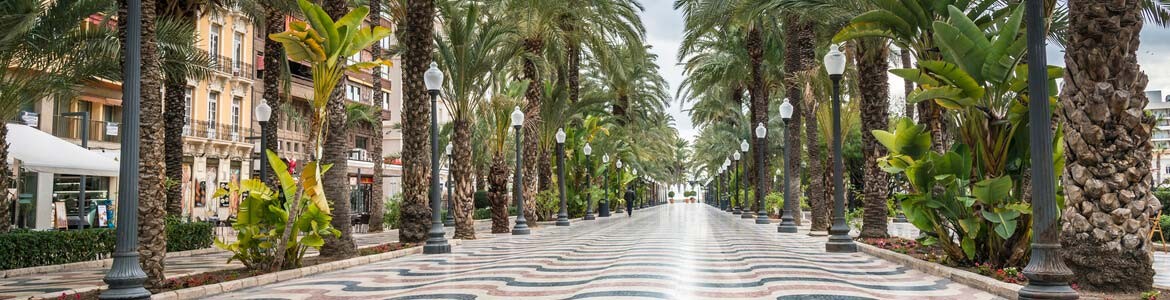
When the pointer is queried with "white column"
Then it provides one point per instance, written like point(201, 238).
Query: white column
point(44, 201)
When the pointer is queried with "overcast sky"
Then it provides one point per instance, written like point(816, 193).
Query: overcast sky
point(664, 31)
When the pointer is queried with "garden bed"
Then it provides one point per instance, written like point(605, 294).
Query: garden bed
point(221, 281)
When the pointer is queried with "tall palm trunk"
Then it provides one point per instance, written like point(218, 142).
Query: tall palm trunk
point(1109, 205)
point(273, 62)
point(498, 194)
point(378, 204)
point(534, 47)
point(462, 171)
point(619, 110)
point(417, 43)
point(173, 144)
point(5, 181)
point(152, 242)
point(759, 111)
point(335, 181)
point(819, 190)
point(799, 55)
point(875, 90)
point(908, 85)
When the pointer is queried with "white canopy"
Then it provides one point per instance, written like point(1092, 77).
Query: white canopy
point(42, 152)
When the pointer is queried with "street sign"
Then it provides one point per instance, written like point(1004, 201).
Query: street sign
point(30, 118)
point(111, 128)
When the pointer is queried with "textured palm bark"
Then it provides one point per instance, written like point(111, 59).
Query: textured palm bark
point(759, 111)
point(799, 54)
point(498, 194)
point(1108, 202)
point(336, 146)
point(379, 204)
point(417, 46)
point(907, 85)
point(273, 52)
point(5, 181)
point(619, 110)
point(532, 121)
point(462, 171)
point(875, 89)
point(819, 190)
point(152, 240)
point(173, 143)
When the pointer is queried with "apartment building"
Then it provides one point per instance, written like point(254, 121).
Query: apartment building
point(1159, 107)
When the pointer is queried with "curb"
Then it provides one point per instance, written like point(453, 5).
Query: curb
point(243, 283)
point(103, 263)
point(996, 287)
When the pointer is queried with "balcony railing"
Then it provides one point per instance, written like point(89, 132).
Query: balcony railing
point(218, 131)
point(69, 127)
point(236, 68)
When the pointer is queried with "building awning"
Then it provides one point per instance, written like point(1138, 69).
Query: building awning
point(39, 151)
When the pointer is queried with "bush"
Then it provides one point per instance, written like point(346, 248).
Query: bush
point(391, 210)
point(482, 213)
point(1163, 196)
point(41, 248)
point(670, 194)
point(689, 194)
point(183, 236)
point(481, 199)
point(774, 202)
point(1164, 223)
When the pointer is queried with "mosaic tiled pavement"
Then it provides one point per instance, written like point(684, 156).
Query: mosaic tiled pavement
point(680, 251)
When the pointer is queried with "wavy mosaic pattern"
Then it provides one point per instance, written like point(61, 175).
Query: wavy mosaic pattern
point(680, 251)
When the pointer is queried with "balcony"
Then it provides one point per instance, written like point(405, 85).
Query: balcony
point(234, 68)
point(218, 131)
point(69, 127)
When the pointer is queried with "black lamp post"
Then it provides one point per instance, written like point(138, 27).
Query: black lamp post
point(1047, 274)
point(521, 227)
point(761, 135)
point(839, 239)
point(743, 200)
point(637, 184)
point(125, 277)
point(263, 113)
point(563, 214)
point(787, 223)
point(436, 239)
point(603, 208)
point(588, 182)
point(80, 221)
point(735, 183)
point(723, 194)
point(449, 221)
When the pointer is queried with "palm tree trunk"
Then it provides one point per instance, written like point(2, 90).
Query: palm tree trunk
point(5, 181)
point(462, 170)
point(378, 204)
point(875, 89)
point(819, 190)
point(335, 181)
point(759, 111)
point(273, 62)
point(1109, 206)
point(417, 46)
point(799, 54)
point(498, 194)
point(152, 242)
point(175, 110)
point(907, 84)
point(532, 121)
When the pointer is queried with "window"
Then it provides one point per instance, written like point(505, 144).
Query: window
point(357, 57)
point(1167, 170)
point(385, 100)
point(353, 93)
point(384, 43)
point(214, 40)
point(213, 107)
point(360, 142)
point(237, 51)
point(189, 113)
point(236, 114)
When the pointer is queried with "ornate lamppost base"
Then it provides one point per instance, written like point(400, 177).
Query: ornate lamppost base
point(747, 215)
point(763, 219)
point(603, 210)
point(562, 221)
point(1039, 290)
point(900, 218)
point(838, 244)
point(436, 246)
point(787, 227)
point(589, 217)
point(521, 230)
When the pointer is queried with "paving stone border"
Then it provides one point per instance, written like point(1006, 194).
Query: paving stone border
point(101, 263)
point(999, 288)
point(238, 284)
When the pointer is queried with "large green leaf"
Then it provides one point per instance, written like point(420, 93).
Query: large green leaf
point(955, 76)
point(999, 60)
point(916, 76)
point(968, 245)
point(1005, 221)
point(993, 191)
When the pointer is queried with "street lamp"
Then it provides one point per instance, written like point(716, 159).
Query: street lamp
point(747, 209)
point(637, 198)
point(436, 240)
point(603, 208)
point(449, 221)
point(839, 240)
point(735, 183)
point(125, 277)
point(1047, 274)
point(588, 182)
point(521, 227)
point(726, 179)
point(787, 223)
point(563, 214)
point(263, 113)
point(762, 213)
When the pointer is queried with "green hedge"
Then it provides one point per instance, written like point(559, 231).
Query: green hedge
point(183, 236)
point(42, 248)
point(24, 249)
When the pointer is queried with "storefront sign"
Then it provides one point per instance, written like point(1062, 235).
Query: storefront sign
point(102, 218)
point(111, 128)
point(31, 119)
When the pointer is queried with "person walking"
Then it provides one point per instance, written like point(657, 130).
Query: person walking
point(630, 196)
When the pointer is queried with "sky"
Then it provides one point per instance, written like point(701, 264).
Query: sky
point(664, 31)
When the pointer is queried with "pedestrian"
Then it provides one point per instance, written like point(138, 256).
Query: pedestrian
point(630, 196)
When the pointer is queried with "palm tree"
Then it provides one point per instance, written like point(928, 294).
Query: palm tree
point(46, 44)
point(1102, 106)
point(496, 113)
point(416, 38)
point(336, 148)
point(597, 25)
point(469, 51)
point(378, 204)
